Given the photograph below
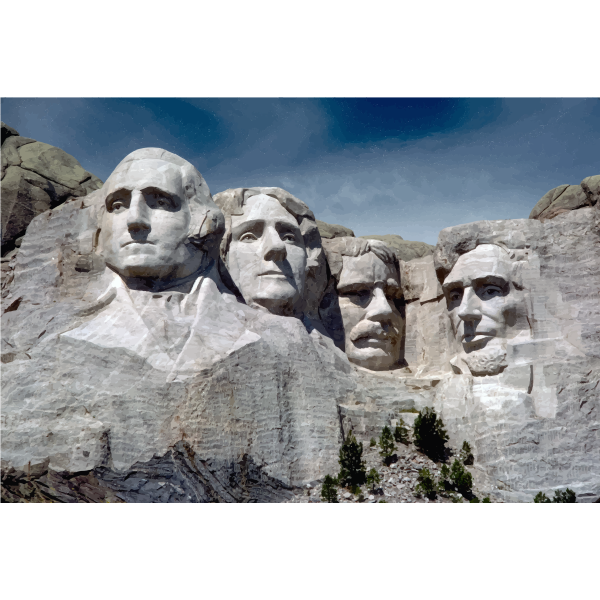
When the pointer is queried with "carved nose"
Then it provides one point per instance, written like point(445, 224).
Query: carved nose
point(379, 308)
point(470, 307)
point(275, 249)
point(138, 218)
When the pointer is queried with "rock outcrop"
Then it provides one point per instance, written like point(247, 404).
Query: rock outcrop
point(566, 197)
point(404, 249)
point(329, 232)
point(35, 178)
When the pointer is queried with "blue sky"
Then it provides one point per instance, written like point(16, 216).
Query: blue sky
point(404, 166)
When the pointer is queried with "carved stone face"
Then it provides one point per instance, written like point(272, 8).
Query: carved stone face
point(146, 224)
point(267, 255)
point(484, 306)
point(373, 326)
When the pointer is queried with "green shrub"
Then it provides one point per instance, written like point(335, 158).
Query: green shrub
point(426, 485)
point(328, 491)
point(560, 497)
point(373, 478)
point(568, 496)
point(461, 479)
point(353, 470)
point(466, 456)
point(372, 443)
point(474, 500)
point(401, 432)
point(444, 483)
point(429, 434)
point(486, 500)
point(386, 443)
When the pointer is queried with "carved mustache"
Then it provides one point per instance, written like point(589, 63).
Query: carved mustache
point(374, 329)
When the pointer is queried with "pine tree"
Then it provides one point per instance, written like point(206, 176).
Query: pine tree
point(386, 443)
point(401, 432)
point(466, 456)
point(429, 433)
point(328, 491)
point(444, 483)
point(568, 496)
point(541, 498)
point(353, 470)
point(461, 478)
point(426, 485)
point(373, 478)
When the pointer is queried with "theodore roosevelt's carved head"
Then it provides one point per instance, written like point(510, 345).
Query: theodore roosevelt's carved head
point(159, 219)
point(367, 281)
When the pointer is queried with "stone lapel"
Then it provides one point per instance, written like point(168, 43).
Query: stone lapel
point(175, 332)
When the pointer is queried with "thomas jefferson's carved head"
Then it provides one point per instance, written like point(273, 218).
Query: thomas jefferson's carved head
point(159, 221)
point(272, 249)
point(367, 281)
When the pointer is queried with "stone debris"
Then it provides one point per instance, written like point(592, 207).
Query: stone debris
point(398, 481)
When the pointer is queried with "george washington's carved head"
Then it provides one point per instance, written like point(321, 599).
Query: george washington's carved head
point(159, 220)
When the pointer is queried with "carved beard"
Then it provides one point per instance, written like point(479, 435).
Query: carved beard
point(490, 360)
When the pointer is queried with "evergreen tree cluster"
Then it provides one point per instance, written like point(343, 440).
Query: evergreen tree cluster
point(429, 434)
point(567, 496)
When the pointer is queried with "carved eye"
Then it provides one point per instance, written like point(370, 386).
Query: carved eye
point(455, 295)
point(360, 297)
point(490, 291)
point(288, 237)
point(117, 206)
point(161, 203)
point(248, 237)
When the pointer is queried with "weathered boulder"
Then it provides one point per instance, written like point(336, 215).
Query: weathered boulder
point(7, 131)
point(36, 177)
point(567, 197)
point(329, 232)
point(404, 249)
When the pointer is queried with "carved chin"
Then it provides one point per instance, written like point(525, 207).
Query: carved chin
point(488, 361)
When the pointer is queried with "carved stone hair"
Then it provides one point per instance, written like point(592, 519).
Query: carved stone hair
point(336, 248)
point(207, 223)
point(453, 242)
point(232, 202)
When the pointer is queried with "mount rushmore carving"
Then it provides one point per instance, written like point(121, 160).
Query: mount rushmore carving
point(175, 346)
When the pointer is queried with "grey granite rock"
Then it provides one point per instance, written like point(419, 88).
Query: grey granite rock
point(329, 231)
point(567, 197)
point(7, 131)
point(404, 249)
point(36, 177)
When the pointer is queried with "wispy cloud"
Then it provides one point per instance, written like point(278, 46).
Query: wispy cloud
point(408, 166)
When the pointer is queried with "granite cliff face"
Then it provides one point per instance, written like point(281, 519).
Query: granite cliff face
point(36, 177)
point(188, 393)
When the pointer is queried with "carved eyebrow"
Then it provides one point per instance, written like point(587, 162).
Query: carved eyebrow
point(158, 192)
point(254, 223)
point(448, 286)
point(356, 286)
point(489, 278)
